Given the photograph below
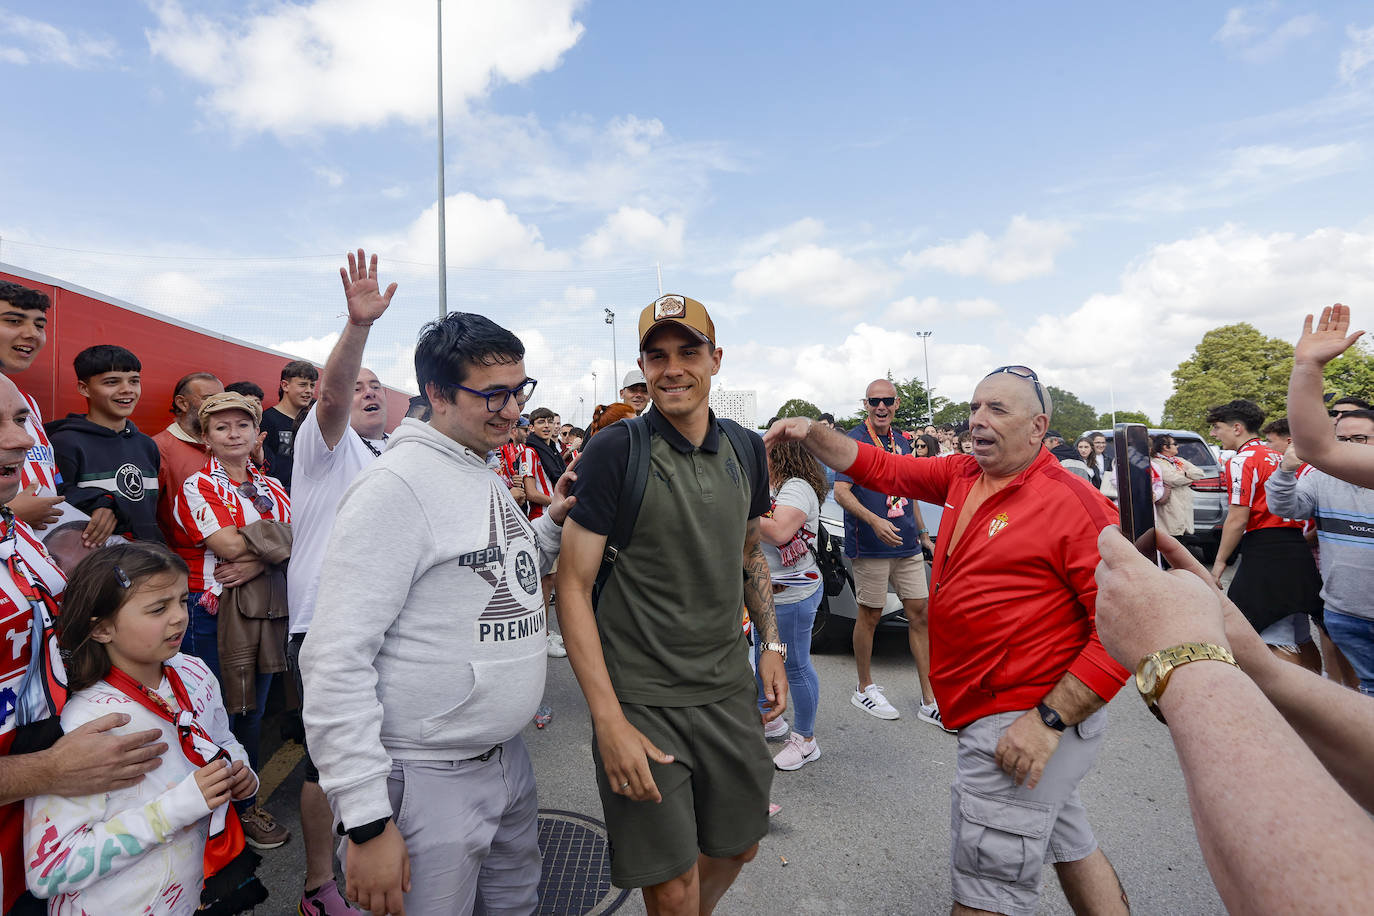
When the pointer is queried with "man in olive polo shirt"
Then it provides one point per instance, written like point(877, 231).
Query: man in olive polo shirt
point(681, 764)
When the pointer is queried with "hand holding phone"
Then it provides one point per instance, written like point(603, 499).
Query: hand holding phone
point(1135, 487)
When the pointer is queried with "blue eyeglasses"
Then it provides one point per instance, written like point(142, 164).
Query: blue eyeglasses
point(1026, 373)
point(501, 396)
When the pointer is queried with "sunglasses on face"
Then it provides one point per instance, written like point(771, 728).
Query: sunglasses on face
point(886, 402)
point(498, 399)
point(1358, 440)
point(260, 501)
point(1026, 373)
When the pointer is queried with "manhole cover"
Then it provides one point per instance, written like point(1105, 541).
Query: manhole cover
point(576, 880)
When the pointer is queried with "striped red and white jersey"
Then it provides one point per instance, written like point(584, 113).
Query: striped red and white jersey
point(209, 501)
point(1244, 476)
point(17, 634)
point(40, 465)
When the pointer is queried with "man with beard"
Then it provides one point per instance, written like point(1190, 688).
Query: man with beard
point(179, 449)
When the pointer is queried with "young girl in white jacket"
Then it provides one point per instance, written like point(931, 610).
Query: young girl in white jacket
point(147, 847)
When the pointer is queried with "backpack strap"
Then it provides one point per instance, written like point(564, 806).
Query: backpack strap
point(631, 497)
point(744, 449)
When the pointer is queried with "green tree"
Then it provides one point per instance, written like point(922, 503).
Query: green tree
point(1071, 416)
point(1104, 421)
point(1233, 361)
point(1352, 373)
point(955, 413)
point(797, 407)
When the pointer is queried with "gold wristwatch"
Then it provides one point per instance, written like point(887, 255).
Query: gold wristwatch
point(1152, 674)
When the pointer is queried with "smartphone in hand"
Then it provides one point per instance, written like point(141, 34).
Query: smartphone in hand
point(1135, 487)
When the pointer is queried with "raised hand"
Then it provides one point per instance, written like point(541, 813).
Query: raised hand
point(366, 302)
point(1328, 339)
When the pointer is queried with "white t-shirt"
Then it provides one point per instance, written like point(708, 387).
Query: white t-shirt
point(797, 494)
point(319, 478)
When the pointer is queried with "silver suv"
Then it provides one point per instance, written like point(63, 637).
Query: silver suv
point(1209, 493)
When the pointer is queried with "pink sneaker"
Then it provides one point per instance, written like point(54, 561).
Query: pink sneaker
point(776, 730)
point(327, 901)
point(797, 752)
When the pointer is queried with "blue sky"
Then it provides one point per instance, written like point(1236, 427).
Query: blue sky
point(1084, 188)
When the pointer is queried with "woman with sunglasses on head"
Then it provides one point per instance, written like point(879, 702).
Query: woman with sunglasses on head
point(216, 503)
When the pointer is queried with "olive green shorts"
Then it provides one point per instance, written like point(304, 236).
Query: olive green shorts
point(715, 792)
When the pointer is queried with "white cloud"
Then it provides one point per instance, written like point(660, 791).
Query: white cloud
point(626, 161)
point(294, 68)
point(1027, 249)
point(930, 309)
point(833, 376)
point(632, 231)
point(177, 293)
point(1360, 54)
point(1167, 300)
point(812, 275)
point(1247, 172)
point(47, 43)
point(481, 233)
point(315, 349)
point(1249, 33)
point(330, 176)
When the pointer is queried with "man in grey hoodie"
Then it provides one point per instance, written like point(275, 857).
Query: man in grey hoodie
point(1345, 534)
point(426, 654)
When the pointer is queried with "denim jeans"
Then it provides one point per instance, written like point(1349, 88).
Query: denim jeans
point(202, 632)
point(794, 628)
point(1354, 636)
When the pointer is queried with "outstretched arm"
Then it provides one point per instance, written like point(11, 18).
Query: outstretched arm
point(1312, 434)
point(834, 449)
point(366, 303)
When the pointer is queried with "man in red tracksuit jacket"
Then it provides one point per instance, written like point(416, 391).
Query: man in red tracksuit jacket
point(1016, 663)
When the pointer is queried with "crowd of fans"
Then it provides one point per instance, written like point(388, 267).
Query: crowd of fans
point(155, 587)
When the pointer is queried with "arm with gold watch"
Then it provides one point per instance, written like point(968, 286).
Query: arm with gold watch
point(1239, 758)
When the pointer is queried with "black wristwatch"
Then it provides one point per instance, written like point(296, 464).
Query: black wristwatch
point(1050, 717)
point(369, 831)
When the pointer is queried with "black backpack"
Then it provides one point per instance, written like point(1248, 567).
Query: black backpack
point(829, 553)
point(637, 479)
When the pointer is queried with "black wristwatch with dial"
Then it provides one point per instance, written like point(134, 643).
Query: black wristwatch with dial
point(1050, 717)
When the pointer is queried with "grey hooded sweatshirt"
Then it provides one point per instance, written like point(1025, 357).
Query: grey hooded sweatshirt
point(428, 641)
point(1345, 533)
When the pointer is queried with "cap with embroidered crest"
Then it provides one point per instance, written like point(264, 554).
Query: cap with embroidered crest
point(679, 310)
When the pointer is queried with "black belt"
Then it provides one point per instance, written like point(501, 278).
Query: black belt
point(487, 755)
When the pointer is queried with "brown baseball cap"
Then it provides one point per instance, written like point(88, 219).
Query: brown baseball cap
point(229, 400)
point(679, 310)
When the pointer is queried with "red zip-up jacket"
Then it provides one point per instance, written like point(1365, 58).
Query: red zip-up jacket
point(1011, 610)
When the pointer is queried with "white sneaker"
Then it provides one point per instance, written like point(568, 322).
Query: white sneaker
point(931, 713)
point(872, 701)
point(776, 729)
point(556, 649)
point(797, 753)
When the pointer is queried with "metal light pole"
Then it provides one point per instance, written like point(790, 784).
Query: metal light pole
point(615, 363)
point(581, 402)
point(925, 335)
point(443, 245)
point(593, 389)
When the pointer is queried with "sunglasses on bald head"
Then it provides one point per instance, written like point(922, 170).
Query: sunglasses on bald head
point(1026, 373)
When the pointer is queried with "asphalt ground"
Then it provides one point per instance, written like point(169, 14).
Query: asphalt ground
point(864, 830)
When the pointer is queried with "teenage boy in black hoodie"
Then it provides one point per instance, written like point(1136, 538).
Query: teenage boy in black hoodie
point(109, 468)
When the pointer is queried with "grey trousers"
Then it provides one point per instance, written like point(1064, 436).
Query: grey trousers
point(471, 829)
